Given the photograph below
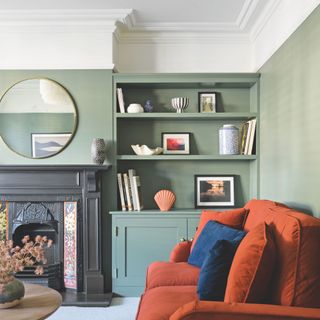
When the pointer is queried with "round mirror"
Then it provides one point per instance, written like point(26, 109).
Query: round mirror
point(38, 118)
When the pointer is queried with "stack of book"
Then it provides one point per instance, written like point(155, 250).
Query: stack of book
point(248, 133)
point(130, 191)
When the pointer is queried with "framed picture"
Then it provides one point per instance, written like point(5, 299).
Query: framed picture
point(207, 102)
point(176, 143)
point(45, 144)
point(214, 191)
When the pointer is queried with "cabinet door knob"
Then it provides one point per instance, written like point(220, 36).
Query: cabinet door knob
point(182, 239)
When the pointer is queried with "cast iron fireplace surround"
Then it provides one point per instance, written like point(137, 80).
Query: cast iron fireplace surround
point(40, 191)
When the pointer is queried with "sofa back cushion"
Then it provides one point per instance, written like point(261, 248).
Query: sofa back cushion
point(296, 280)
point(252, 267)
point(232, 218)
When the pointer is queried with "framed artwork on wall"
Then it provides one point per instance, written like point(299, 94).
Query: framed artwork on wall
point(176, 142)
point(207, 102)
point(214, 191)
point(46, 144)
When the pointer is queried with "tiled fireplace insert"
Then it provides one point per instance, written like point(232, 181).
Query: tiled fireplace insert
point(62, 202)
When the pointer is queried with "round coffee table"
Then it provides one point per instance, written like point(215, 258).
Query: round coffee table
point(38, 303)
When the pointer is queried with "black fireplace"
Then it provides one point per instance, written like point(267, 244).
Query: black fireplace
point(61, 202)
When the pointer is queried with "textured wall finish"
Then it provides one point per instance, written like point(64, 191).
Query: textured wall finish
point(290, 120)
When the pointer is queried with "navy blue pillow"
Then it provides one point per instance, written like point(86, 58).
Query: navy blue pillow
point(210, 234)
point(215, 269)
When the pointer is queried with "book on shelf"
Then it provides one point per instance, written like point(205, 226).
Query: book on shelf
point(248, 137)
point(127, 190)
point(251, 136)
point(131, 174)
point(137, 189)
point(121, 192)
point(120, 100)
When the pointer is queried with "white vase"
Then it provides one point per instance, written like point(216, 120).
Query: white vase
point(98, 150)
point(228, 139)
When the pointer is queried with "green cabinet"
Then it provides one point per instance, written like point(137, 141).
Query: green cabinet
point(140, 239)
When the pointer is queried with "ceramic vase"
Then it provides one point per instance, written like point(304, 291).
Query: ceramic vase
point(165, 199)
point(180, 104)
point(148, 107)
point(228, 139)
point(98, 150)
point(11, 294)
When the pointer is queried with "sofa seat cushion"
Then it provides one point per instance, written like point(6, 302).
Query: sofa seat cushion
point(160, 303)
point(232, 218)
point(171, 274)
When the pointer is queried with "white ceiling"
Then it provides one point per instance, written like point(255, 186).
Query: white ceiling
point(150, 15)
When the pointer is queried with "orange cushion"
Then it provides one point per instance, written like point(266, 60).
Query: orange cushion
point(252, 267)
point(160, 303)
point(232, 218)
point(171, 274)
point(259, 211)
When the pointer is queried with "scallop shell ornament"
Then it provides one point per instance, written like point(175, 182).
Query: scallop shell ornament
point(165, 199)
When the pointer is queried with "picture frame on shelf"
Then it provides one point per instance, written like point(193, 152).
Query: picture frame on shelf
point(207, 102)
point(176, 142)
point(46, 144)
point(214, 191)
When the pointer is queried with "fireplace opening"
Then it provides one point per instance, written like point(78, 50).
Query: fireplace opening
point(34, 229)
point(44, 219)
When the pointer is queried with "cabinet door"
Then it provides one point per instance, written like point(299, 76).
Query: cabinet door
point(140, 241)
point(192, 227)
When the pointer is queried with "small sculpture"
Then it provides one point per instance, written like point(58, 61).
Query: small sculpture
point(135, 108)
point(145, 150)
point(165, 199)
point(148, 107)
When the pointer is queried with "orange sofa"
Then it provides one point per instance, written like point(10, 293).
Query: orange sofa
point(171, 287)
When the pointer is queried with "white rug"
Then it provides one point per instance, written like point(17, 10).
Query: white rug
point(120, 309)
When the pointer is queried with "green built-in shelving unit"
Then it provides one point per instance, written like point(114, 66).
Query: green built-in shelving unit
point(140, 238)
point(237, 101)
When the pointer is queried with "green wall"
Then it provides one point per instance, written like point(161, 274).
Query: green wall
point(290, 120)
point(92, 93)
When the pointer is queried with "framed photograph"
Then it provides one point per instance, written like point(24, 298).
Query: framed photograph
point(45, 144)
point(176, 142)
point(207, 102)
point(214, 191)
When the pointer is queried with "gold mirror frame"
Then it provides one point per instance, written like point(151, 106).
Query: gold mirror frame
point(75, 118)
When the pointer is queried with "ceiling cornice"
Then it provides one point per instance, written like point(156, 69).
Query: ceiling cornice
point(62, 20)
point(265, 16)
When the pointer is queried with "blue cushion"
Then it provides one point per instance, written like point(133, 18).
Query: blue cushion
point(211, 233)
point(215, 269)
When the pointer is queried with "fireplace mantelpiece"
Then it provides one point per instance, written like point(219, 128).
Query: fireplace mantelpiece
point(81, 183)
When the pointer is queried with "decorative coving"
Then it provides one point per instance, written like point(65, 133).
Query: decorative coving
point(76, 21)
point(126, 28)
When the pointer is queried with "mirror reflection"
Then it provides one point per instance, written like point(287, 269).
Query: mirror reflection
point(37, 118)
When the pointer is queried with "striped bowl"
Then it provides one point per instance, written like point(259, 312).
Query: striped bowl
point(180, 103)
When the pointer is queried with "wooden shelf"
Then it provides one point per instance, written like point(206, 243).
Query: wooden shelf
point(189, 116)
point(187, 157)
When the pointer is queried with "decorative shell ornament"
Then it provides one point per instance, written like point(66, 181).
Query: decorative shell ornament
point(145, 150)
point(165, 199)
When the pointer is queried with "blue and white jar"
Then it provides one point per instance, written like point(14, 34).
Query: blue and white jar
point(228, 139)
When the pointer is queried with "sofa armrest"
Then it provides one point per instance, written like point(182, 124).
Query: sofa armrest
point(181, 252)
point(214, 310)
